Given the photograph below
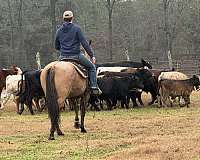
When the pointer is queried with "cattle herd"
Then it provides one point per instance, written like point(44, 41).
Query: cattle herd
point(119, 82)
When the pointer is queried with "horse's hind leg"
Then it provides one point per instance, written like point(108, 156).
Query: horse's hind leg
point(59, 132)
point(76, 109)
point(82, 106)
point(52, 130)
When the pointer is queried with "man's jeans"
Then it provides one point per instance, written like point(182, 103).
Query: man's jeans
point(88, 65)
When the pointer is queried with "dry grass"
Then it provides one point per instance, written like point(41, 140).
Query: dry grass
point(148, 133)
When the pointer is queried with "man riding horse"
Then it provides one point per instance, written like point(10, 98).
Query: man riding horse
point(68, 39)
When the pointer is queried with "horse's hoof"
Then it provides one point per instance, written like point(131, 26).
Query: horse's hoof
point(83, 130)
point(76, 125)
point(51, 138)
point(19, 113)
point(61, 134)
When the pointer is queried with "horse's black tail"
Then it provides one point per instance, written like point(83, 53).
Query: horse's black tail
point(51, 98)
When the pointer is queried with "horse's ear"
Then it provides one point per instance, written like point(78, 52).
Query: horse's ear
point(90, 42)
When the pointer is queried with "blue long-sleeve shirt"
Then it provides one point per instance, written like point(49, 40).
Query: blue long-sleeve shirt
point(68, 39)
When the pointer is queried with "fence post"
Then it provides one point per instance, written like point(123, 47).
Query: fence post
point(38, 60)
point(170, 60)
point(127, 55)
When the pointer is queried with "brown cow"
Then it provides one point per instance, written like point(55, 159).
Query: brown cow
point(177, 88)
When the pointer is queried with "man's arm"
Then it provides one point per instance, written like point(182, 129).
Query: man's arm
point(57, 42)
point(85, 44)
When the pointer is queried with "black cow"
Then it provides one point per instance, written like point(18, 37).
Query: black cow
point(149, 83)
point(30, 89)
point(141, 64)
point(117, 88)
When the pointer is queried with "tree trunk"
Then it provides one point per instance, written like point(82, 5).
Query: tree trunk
point(166, 25)
point(110, 5)
point(11, 57)
point(20, 26)
point(11, 26)
point(168, 45)
point(110, 36)
point(53, 21)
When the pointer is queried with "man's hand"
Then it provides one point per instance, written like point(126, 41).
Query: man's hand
point(93, 60)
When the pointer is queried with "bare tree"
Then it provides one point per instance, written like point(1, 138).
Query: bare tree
point(11, 25)
point(166, 24)
point(110, 5)
point(20, 25)
point(53, 20)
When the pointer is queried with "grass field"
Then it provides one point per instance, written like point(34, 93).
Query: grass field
point(148, 133)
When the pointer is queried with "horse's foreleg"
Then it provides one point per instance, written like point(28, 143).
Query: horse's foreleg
point(74, 103)
point(82, 106)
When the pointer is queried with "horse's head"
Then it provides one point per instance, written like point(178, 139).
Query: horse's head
point(146, 64)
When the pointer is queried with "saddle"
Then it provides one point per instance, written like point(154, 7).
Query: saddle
point(79, 68)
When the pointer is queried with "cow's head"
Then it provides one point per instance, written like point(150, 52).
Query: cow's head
point(144, 74)
point(136, 82)
point(146, 64)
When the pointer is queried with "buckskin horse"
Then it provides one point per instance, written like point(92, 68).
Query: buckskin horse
point(13, 70)
point(61, 80)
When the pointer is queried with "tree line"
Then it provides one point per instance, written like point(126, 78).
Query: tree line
point(139, 28)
